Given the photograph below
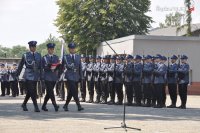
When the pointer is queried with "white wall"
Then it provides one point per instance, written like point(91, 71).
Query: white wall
point(153, 45)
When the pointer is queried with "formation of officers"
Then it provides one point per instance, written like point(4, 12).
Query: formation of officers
point(145, 78)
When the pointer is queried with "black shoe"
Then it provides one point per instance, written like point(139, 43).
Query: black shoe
point(118, 103)
point(128, 104)
point(24, 107)
point(97, 101)
point(65, 107)
point(111, 102)
point(158, 106)
point(44, 108)
point(2, 95)
point(182, 107)
point(56, 107)
point(82, 100)
point(80, 108)
point(37, 109)
point(164, 106)
point(171, 106)
point(90, 101)
point(137, 104)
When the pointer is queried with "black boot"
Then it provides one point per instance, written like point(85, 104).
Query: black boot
point(24, 107)
point(80, 108)
point(65, 107)
point(97, 99)
point(44, 108)
point(36, 108)
point(90, 100)
point(56, 107)
point(111, 102)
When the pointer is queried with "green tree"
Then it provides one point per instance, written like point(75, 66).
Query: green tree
point(80, 21)
point(5, 52)
point(42, 48)
point(172, 20)
point(17, 51)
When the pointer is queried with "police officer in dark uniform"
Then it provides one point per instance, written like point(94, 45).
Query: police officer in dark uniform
point(50, 64)
point(137, 80)
point(164, 59)
point(118, 79)
point(96, 72)
point(128, 79)
point(13, 81)
point(159, 81)
point(172, 81)
point(147, 73)
point(32, 61)
point(3, 73)
point(72, 62)
point(90, 79)
point(183, 80)
point(111, 82)
point(83, 80)
point(104, 79)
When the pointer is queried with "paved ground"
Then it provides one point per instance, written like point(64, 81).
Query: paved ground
point(96, 117)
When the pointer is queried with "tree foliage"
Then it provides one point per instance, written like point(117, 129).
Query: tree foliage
point(89, 22)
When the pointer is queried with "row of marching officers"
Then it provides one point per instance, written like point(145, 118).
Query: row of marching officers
point(145, 79)
point(49, 69)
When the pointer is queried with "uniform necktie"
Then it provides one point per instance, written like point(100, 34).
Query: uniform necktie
point(33, 56)
point(51, 59)
point(73, 58)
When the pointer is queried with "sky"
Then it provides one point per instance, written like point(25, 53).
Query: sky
point(25, 20)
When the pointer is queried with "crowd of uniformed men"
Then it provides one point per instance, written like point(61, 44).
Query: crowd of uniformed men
point(145, 78)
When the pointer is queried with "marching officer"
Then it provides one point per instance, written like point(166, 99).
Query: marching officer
point(172, 81)
point(3, 73)
point(111, 83)
point(183, 80)
point(128, 79)
point(50, 64)
point(103, 79)
point(72, 62)
point(118, 79)
point(90, 79)
point(137, 80)
point(32, 61)
point(96, 71)
point(83, 80)
point(147, 73)
point(159, 80)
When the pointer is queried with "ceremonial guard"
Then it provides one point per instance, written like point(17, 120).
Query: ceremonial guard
point(159, 80)
point(72, 62)
point(118, 79)
point(90, 78)
point(164, 59)
point(83, 80)
point(104, 79)
point(147, 74)
point(172, 80)
point(32, 61)
point(111, 82)
point(128, 79)
point(183, 80)
point(50, 64)
point(137, 80)
point(96, 72)
point(4, 78)
point(13, 80)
